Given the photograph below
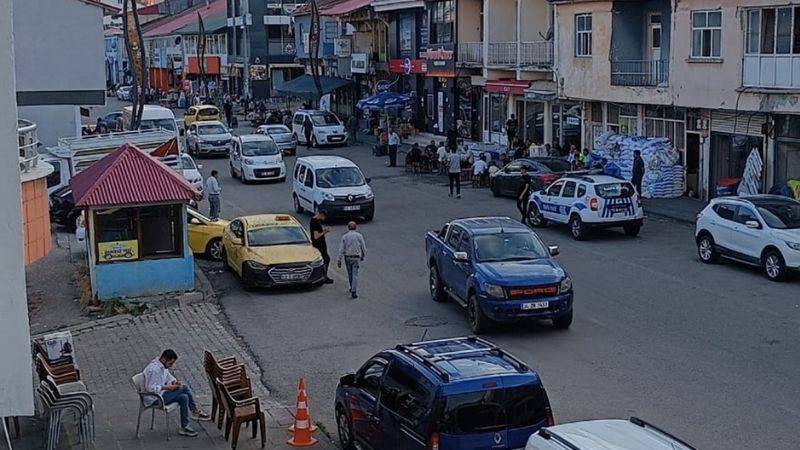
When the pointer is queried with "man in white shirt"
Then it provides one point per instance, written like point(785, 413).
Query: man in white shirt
point(159, 380)
point(393, 140)
point(352, 250)
point(479, 167)
point(441, 156)
point(213, 190)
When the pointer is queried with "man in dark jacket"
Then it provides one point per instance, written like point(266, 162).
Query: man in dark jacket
point(638, 171)
point(308, 130)
point(523, 192)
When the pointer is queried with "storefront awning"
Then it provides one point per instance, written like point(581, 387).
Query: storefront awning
point(345, 7)
point(393, 5)
point(303, 86)
point(506, 87)
point(212, 65)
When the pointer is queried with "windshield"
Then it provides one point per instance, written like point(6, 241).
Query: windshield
point(207, 130)
point(152, 124)
point(187, 163)
point(272, 235)
point(275, 131)
point(494, 410)
point(780, 214)
point(556, 165)
point(614, 190)
point(259, 148)
point(208, 112)
point(508, 247)
point(339, 177)
point(324, 120)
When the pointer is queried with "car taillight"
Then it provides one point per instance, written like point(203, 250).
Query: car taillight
point(550, 420)
point(433, 441)
point(593, 204)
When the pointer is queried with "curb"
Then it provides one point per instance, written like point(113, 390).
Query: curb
point(665, 215)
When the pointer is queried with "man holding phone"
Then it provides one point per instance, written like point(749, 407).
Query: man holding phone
point(159, 380)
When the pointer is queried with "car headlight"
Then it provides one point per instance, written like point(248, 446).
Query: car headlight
point(317, 262)
point(328, 197)
point(200, 141)
point(369, 195)
point(248, 161)
point(493, 290)
point(256, 265)
point(566, 285)
point(794, 245)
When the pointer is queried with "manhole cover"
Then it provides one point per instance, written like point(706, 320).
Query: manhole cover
point(425, 321)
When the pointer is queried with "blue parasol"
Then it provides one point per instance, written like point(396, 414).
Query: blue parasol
point(384, 100)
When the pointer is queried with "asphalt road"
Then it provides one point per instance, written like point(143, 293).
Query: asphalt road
point(710, 353)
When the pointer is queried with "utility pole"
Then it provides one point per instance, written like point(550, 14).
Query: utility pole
point(246, 44)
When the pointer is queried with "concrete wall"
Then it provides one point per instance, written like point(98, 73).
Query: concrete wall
point(36, 221)
point(468, 20)
point(502, 20)
point(629, 39)
point(534, 19)
point(16, 389)
point(54, 121)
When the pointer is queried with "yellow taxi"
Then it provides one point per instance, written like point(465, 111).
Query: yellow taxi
point(205, 235)
point(269, 250)
point(200, 113)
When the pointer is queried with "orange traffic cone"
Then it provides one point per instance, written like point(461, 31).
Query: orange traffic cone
point(301, 431)
point(301, 386)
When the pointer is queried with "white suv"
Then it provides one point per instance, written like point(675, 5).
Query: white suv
point(762, 230)
point(256, 157)
point(332, 184)
point(585, 202)
point(327, 128)
point(633, 434)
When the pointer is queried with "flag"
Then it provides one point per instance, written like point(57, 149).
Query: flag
point(166, 149)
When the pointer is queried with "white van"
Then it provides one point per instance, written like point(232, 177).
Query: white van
point(327, 128)
point(332, 184)
point(256, 157)
point(153, 118)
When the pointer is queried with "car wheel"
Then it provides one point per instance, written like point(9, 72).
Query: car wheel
point(197, 151)
point(345, 429)
point(299, 209)
point(478, 321)
point(243, 177)
point(705, 249)
point(494, 189)
point(436, 286)
point(233, 172)
point(632, 230)
point(214, 249)
point(535, 217)
point(774, 266)
point(576, 228)
point(248, 279)
point(563, 322)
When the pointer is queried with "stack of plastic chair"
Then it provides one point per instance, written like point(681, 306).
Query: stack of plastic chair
point(55, 404)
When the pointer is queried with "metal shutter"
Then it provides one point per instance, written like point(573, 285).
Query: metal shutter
point(747, 123)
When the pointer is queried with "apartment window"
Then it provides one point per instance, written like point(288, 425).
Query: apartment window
point(583, 35)
point(706, 34)
point(774, 31)
point(668, 122)
point(442, 22)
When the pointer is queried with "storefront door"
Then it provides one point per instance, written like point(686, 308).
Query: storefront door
point(787, 149)
point(496, 114)
point(692, 163)
point(729, 155)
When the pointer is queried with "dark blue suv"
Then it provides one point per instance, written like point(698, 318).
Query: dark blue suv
point(458, 393)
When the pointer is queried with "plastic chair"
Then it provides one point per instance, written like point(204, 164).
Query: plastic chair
point(234, 377)
point(242, 411)
point(151, 401)
point(56, 404)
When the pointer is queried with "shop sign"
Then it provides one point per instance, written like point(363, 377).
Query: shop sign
point(342, 47)
point(382, 86)
point(258, 72)
point(407, 66)
point(440, 61)
point(358, 63)
point(118, 250)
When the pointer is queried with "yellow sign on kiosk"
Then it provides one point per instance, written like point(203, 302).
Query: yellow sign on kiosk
point(118, 251)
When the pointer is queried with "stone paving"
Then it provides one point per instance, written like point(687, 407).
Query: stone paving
point(110, 351)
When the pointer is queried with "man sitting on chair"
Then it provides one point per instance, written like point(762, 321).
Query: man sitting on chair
point(159, 380)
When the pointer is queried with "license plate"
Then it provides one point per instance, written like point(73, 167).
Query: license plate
point(535, 305)
point(335, 138)
point(619, 208)
point(352, 208)
point(291, 277)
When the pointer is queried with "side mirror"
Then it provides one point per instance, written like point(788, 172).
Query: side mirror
point(553, 249)
point(348, 380)
point(461, 256)
point(368, 180)
point(752, 224)
point(543, 192)
point(199, 166)
point(236, 240)
point(195, 221)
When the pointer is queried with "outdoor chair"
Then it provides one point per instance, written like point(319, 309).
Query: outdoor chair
point(38, 349)
point(151, 401)
point(242, 411)
point(68, 388)
point(54, 405)
point(234, 377)
point(64, 373)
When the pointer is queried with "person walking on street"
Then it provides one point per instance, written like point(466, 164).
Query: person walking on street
point(308, 130)
point(511, 129)
point(454, 171)
point(159, 380)
point(637, 174)
point(352, 250)
point(441, 158)
point(393, 139)
point(352, 127)
point(213, 190)
point(318, 231)
point(227, 107)
point(523, 192)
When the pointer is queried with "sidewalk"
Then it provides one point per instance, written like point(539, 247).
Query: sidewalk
point(110, 351)
point(682, 209)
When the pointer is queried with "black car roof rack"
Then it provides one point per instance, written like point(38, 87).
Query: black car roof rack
point(644, 424)
point(424, 359)
point(548, 435)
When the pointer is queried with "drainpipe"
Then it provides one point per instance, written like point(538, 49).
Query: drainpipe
point(519, 10)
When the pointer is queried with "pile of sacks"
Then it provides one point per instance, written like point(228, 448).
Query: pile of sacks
point(663, 174)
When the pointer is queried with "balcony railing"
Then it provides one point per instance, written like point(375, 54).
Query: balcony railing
point(28, 141)
point(537, 53)
point(280, 47)
point(639, 73)
point(470, 53)
point(503, 54)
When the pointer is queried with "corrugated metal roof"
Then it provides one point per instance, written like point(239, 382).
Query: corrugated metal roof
point(345, 7)
point(172, 24)
point(129, 176)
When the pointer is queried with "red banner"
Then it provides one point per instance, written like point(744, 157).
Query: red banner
point(408, 66)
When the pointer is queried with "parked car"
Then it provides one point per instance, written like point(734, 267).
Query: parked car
point(282, 136)
point(208, 138)
point(62, 208)
point(459, 393)
point(124, 93)
point(205, 235)
point(617, 434)
point(191, 171)
point(255, 157)
point(113, 121)
point(588, 202)
point(200, 113)
point(498, 270)
point(154, 117)
point(332, 184)
point(269, 250)
point(542, 170)
point(327, 128)
point(762, 230)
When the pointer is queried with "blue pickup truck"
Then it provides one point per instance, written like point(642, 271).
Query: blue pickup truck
point(500, 271)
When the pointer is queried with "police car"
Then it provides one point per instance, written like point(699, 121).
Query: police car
point(586, 202)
